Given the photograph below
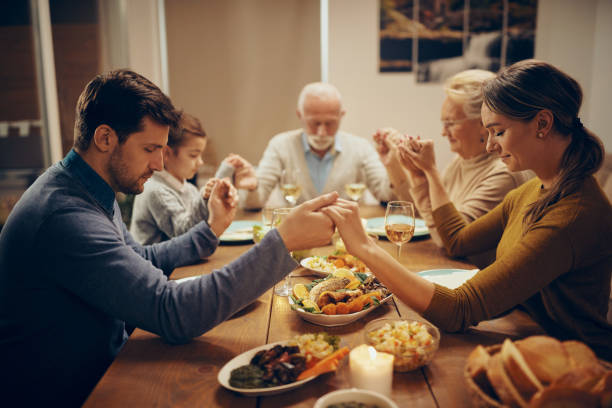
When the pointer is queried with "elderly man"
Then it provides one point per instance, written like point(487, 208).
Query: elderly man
point(326, 158)
point(72, 276)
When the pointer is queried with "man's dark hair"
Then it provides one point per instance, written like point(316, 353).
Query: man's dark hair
point(120, 99)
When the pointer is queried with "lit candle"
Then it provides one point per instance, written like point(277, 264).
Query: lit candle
point(371, 369)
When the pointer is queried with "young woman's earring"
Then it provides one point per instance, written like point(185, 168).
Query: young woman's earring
point(540, 135)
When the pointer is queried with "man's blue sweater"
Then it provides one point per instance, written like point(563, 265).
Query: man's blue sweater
point(71, 277)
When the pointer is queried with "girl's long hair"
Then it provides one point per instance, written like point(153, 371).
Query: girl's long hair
point(522, 90)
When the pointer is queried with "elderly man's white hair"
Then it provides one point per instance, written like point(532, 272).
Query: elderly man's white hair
point(321, 90)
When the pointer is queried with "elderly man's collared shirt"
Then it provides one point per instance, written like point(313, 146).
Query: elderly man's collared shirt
point(320, 167)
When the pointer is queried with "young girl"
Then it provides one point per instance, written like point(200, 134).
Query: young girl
point(552, 234)
point(169, 205)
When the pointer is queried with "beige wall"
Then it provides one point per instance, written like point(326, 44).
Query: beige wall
point(576, 37)
point(239, 65)
point(573, 35)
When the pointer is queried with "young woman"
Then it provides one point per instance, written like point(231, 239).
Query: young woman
point(475, 181)
point(169, 205)
point(552, 234)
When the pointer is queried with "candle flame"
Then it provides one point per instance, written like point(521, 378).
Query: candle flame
point(372, 352)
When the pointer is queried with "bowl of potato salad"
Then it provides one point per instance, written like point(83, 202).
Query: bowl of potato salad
point(413, 342)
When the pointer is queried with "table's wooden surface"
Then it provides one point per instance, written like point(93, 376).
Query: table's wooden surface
point(148, 372)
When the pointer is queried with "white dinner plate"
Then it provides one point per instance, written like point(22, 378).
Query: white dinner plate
point(334, 320)
point(451, 278)
point(239, 231)
point(321, 272)
point(244, 359)
point(377, 226)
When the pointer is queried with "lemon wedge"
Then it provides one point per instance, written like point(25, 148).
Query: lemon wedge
point(300, 291)
point(343, 273)
point(312, 304)
point(354, 284)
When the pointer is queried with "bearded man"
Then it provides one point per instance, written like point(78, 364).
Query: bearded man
point(326, 159)
point(71, 275)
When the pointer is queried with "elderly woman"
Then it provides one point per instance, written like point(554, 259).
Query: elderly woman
point(475, 181)
point(552, 234)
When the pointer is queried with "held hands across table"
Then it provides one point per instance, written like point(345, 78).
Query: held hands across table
point(345, 215)
point(222, 205)
point(207, 189)
point(306, 226)
point(417, 156)
point(387, 141)
point(244, 173)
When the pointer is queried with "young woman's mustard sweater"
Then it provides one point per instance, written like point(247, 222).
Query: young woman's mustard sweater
point(559, 270)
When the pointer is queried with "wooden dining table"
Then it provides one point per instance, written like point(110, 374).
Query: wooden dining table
point(148, 372)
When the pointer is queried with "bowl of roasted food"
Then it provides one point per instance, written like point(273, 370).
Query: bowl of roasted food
point(538, 371)
point(324, 265)
point(278, 367)
point(355, 398)
point(338, 299)
point(413, 342)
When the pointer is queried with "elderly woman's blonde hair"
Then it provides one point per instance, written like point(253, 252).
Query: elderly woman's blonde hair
point(465, 88)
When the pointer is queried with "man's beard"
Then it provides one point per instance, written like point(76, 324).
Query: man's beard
point(118, 170)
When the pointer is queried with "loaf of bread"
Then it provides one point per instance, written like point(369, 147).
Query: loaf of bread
point(538, 371)
point(526, 382)
point(546, 356)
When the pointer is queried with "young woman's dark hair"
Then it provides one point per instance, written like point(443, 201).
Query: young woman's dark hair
point(120, 99)
point(522, 90)
point(187, 125)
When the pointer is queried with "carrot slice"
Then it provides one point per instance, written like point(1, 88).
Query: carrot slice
point(329, 363)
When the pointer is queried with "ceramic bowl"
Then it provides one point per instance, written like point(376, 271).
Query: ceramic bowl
point(413, 351)
point(355, 395)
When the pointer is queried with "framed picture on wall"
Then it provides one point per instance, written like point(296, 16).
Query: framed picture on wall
point(438, 38)
point(397, 35)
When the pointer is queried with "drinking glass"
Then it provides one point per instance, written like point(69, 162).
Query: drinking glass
point(266, 216)
point(283, 288)
point(290, 186)
point(355, 190)
point(399, 223)
point(266, 224)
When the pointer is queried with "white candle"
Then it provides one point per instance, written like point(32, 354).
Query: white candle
point(371, 369)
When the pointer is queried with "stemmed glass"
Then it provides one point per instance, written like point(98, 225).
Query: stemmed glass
point(355, 190)
point(399, 223)
point(282, 288)
point(290, 185)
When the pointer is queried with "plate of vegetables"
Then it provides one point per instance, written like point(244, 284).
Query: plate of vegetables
point(282, 366)
point(338, 299)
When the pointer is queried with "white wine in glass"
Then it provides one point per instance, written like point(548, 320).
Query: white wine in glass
point(399, 223)
point(291, 192)
point(290, 186)
point(354, 190)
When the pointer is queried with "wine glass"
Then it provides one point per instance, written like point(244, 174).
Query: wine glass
point(354, 190)
point(399, 223)
point(290, 185)
point(283, 288)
